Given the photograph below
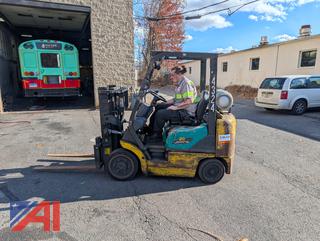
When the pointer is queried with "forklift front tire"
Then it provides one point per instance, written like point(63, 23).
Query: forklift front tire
point(211, 171)
point(122, 165)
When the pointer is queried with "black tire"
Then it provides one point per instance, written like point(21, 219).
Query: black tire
point(122, 165)
point(269, 109)
point(211, 171)
point(299, 107)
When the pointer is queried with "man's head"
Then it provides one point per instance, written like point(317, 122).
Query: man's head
point(177, 73)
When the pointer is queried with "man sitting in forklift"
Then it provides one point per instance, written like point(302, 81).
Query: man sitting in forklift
point(181, 107)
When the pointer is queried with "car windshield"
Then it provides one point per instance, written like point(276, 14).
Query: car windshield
point(273, 83)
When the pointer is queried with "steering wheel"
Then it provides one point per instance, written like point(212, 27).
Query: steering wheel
point(156, 95)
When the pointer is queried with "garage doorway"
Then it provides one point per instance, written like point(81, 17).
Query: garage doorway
point(22, 21)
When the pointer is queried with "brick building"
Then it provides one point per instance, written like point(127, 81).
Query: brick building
point(102, 30)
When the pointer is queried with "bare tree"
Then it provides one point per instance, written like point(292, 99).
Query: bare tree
point(163, 35)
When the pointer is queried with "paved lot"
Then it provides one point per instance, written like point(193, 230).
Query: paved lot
point(272, 195)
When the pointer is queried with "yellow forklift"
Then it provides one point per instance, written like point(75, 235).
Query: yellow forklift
point(203, 145)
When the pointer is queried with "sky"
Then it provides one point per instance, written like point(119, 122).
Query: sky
point(279, 20)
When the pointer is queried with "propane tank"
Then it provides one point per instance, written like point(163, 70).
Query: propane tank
point(224, 100)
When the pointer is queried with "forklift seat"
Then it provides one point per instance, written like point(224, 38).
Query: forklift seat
point(200, 112)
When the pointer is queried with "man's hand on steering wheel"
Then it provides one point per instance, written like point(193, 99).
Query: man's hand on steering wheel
point(157, 96)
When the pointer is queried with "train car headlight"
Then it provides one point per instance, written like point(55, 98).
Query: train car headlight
point(224, 100)
point(28, 46)
point(68, 47)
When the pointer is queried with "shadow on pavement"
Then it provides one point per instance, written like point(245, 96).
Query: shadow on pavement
point(81, 184)
point(51, 103)
point(306, 125)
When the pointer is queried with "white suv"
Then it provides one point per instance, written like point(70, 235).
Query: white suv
point(292, 92)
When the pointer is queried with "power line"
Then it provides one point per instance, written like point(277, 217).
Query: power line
point(196, 9)
point(182, 13)
point(238, 6)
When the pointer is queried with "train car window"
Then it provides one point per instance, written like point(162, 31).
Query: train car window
point(50, 60)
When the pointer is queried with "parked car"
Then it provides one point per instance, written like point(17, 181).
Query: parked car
point(293, 92)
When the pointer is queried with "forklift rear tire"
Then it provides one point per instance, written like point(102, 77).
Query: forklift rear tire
point(211, 171)
point(122, 165)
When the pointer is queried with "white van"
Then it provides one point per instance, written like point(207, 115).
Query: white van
point(292, 92)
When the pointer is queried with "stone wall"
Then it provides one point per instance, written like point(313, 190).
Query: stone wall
point(112, 41)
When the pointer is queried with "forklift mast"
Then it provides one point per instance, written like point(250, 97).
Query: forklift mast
point(113, 102)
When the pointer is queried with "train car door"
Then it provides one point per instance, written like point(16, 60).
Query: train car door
point(51, 69)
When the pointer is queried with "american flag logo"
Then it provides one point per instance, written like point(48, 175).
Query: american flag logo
point(23, 213)
point(20, 209)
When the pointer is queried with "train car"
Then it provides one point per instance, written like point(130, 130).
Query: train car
point(49, 68)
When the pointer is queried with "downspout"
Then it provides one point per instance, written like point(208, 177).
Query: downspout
point(276, 69)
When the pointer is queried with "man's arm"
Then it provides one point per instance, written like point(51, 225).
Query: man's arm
point(181, 106)
point(171, 101)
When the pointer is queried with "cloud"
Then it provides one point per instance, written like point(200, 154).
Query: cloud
point(284, 37)
point(267, 11)
point(224, 50)
point(302, 2)
point(263, 10)
point(253, 17)
point(210, 21)
point(188, 38)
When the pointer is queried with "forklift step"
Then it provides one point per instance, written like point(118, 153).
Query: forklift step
point(158, 160)
point(156, 147)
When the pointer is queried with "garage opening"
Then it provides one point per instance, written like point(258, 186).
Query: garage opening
point(48, 33)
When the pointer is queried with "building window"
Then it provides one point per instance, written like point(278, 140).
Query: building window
point(224, 66)
point(254, 63)
point(190, 70)
point(308, 58)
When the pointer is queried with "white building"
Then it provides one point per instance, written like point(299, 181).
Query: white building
point(193, 70)
point(251, 66)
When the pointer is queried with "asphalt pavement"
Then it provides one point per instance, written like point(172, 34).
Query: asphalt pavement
point(273, 194)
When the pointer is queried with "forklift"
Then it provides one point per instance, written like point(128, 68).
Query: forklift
point(202, 146)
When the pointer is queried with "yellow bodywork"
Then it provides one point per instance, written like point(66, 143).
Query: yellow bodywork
point(180, 164)
point(225, 149)
point(185, 164)
point(138, 153)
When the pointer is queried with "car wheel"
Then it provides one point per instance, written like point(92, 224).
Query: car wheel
point(211, 171)
point(122, 165)
point(299, 107)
